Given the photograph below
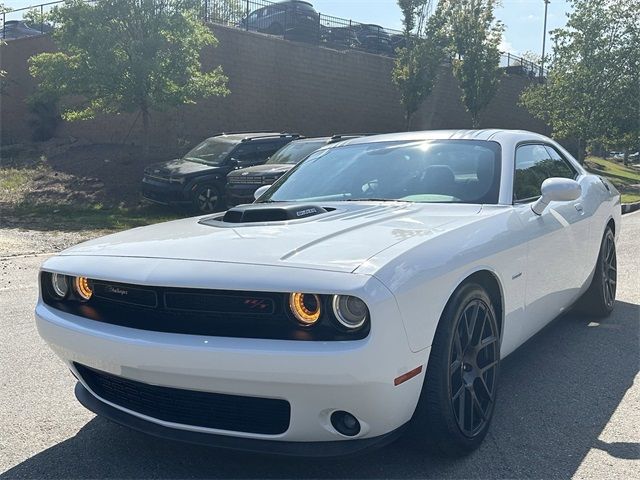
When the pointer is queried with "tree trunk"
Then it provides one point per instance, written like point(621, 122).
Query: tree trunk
point(580, 151)
point(408, 117)
point(475, 120)
point(626, 156)
point(145, 133)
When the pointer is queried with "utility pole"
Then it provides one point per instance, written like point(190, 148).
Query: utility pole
point(544, 38)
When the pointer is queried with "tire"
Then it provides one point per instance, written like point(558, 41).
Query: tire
point(599, 299)
point(457, 401)
point(207, 199)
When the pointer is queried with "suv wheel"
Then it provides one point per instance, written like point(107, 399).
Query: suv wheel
point(207, 199)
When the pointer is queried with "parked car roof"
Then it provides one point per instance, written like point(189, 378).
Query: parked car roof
point(248, 136)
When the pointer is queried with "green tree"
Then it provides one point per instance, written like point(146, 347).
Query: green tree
point(123, 56)
point(475, 36)
point(592, 92)
point(38, 19)
point(418, 62)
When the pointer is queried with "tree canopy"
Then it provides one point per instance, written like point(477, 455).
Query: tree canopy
point(126, 56)
point(418, 61)
point(592, 91)
point(475, 37)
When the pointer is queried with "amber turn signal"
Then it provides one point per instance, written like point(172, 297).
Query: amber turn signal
point(305, 307)
point(82, 288)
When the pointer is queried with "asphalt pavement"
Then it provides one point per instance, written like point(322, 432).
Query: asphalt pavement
point(568, 406)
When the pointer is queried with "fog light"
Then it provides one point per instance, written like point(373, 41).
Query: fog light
point(82, 288)
point(305, 307)
point(345, 423)
point(59, 284)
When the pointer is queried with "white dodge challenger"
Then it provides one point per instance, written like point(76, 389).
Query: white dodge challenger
point(372, 290)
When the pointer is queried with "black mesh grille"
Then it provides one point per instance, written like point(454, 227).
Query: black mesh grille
point(188, 407)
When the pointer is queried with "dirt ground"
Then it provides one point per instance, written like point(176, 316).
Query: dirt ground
point(67, 171)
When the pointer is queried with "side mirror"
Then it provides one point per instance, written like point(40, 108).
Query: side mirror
point(234, 162)
point(258, 193)
point(556, 190)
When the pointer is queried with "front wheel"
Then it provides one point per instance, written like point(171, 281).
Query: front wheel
point(600, 298)
point(207, 199)
point(459, 391)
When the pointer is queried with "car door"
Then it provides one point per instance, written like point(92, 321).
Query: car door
point(555, 238)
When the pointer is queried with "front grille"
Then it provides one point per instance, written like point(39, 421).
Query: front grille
point(245, 180)
point(208, 312)
point(235, 413)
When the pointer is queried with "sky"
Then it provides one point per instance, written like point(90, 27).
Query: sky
point(523, 18)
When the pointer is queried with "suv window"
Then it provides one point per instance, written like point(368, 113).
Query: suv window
point(534, 164)
point(255, 152)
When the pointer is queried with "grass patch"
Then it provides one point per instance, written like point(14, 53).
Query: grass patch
point(614, 170)
point(630, 197)
point(15, 179)
point(96, 217)
point(626, 179)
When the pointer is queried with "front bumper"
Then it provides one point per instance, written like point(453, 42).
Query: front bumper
point(307, 449)
point(316, 378)
point(164, 193)
point(239, 194)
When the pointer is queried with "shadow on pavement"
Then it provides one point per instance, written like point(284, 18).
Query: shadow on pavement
point(557, 394)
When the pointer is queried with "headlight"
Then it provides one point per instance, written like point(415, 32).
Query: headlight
point(179, 180)
point(305, 307)
point(82, 288)
point(60, 285)
point(350, 311)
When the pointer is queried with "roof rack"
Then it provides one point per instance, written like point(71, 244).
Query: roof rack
point(342, 135)
point(275, 135)
point(245, 132)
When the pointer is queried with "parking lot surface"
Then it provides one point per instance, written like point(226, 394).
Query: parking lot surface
point(569, 406)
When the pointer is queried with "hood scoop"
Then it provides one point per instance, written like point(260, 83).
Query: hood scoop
point(265, 212)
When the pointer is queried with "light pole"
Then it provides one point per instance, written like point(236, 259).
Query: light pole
point(544, 38)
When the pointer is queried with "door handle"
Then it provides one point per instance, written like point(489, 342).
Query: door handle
point(579, 207)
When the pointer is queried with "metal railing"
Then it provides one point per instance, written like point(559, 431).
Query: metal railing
point(293, 21)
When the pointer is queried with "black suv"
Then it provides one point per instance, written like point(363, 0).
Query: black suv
point(199, 178)
point(293, 19)
point(243, 183)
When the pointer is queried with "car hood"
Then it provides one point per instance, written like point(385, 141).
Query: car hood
point(340, 240)
point(178, 167)
point(259, 170)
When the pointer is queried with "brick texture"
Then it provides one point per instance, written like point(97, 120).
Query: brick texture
point(275, 85)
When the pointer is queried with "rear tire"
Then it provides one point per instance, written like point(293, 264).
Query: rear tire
point(458, 395)
point(599, 299)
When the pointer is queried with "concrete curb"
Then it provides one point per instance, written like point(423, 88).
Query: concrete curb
point(630, 207)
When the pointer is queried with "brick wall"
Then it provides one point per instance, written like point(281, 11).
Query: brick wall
point(275, 84)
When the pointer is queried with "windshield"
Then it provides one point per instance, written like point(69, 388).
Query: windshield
point(460, 171)
point(213, 151)
point(295, 151)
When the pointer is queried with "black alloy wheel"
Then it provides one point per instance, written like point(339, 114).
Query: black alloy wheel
point(458, 394)
point(473, 367)
point(600, 297)
point(609, 271)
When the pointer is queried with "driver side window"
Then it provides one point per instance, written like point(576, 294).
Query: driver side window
point(534, 164)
